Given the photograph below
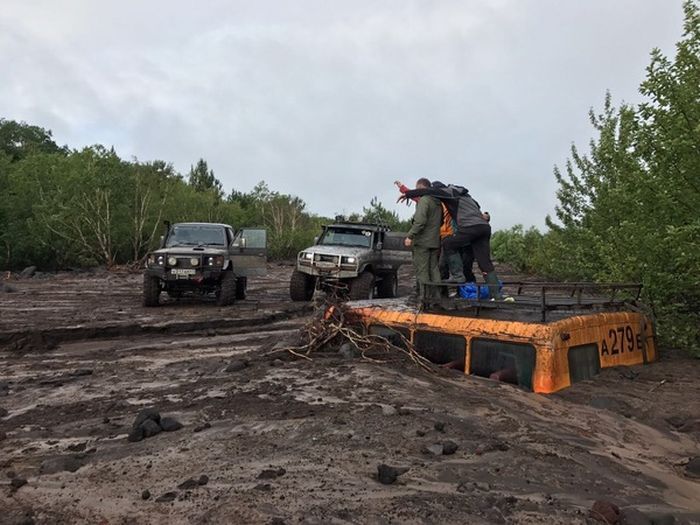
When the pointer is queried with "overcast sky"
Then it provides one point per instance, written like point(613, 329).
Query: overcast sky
point(330, 100)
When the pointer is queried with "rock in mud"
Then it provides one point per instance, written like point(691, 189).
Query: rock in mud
point(81, 372)
point(236, 366)
point(146, 414)
point(136, 434)
point(146, 494)
point(272, 473)
point(150, 428)
point(439, 426)
point(77, 447)
point(3, 436)
point(3, 412)
point(692, 469)
point(17, 483)
point(167, 497)
point(28, 272)
point(60, 464)
point(7, 288)
point(605, 512)
point(203, 480)
point(449, 448)
point(188, 484)
point(169, 424)
point(4, 388)
point(386, 475)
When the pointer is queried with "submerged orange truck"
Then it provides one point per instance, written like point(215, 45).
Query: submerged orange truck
point(550, 337)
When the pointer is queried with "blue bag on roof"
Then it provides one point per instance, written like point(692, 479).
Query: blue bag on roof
point(470, 290)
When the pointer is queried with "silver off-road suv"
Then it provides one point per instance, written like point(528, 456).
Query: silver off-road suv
point(204, 258)
point(358, 258)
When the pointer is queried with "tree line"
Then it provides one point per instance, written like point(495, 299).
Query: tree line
point(64, 207)
point(629, 208)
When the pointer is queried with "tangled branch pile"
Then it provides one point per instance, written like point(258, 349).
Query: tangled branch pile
point(331, 327)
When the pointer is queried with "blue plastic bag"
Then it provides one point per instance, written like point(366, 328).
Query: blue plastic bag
point(470, 291)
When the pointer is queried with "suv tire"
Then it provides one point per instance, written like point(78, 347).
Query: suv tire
point(388, 286)
point(301, 286)
point(151, 290)
point(241, 285)
point(362, 287)
point(227, 290)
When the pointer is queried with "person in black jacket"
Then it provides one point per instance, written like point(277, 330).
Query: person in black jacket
point(471, 228)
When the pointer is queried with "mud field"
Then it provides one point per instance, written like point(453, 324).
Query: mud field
point(270, 439)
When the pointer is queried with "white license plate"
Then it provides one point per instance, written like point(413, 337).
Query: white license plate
point(183, 272)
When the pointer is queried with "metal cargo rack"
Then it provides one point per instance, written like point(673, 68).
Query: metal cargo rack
point(533, 301)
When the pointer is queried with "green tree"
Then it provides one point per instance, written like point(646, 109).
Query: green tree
point(202, 179)
point(19, 139)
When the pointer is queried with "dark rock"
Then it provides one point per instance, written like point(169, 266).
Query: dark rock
point(81, 372)
point(203, 426)
point(188, 484)
point(146, 414)
point(150, 428)
point(491, 446)
point(386, 475)
point(203, 479)
point(4, 388)
point(265, 487)
point(28, 272)
point(167, 497)
point(606, 512)
point(105, 420)
point(136, 434)
point(3, 436)
point(169, 424)
point(236, 366)
point(3, 412)
point(60, 464)
point(18, 483)
point(78, 447)
point(420, 433)
point(692, 469)
point(439, 426)
point(449, 448)
point(403, 411)
point(7, 288)
point(272, 473)
point(146, 494)
point(11, 474)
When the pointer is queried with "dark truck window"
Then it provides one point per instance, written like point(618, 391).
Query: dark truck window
point(196, 235)
point(396, 336)
point(515, 362)
point(346, 237)
point(584, 362)
point(441, 348)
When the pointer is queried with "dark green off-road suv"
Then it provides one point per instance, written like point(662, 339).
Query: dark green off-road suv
point(204, 258)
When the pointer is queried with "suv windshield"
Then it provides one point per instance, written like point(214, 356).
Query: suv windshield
point(196, 235)
point(346, 237)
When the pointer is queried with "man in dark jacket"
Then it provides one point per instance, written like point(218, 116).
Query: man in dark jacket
point(424, 238)
point(472, 228)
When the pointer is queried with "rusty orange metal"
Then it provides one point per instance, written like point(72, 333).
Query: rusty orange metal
point(622, 337)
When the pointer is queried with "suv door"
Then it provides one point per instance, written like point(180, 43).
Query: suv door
point(249, 252)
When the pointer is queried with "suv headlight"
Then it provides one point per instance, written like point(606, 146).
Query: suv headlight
point(307, 256)
point(172, 261)
point(348, 260)
point(194, 261)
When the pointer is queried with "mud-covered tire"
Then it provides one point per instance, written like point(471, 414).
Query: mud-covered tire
point(362, 287)
point(241, 286)
point(227, 289)
point(151, 290)
point(301, 286)
point(388, 286)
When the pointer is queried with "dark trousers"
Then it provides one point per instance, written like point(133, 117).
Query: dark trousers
point(425, 261)
point(479, 238)
point(467, 255)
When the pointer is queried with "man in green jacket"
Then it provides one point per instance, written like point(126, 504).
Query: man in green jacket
point(424, 237)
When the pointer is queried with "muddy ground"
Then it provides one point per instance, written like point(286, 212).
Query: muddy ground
point(277, 440)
